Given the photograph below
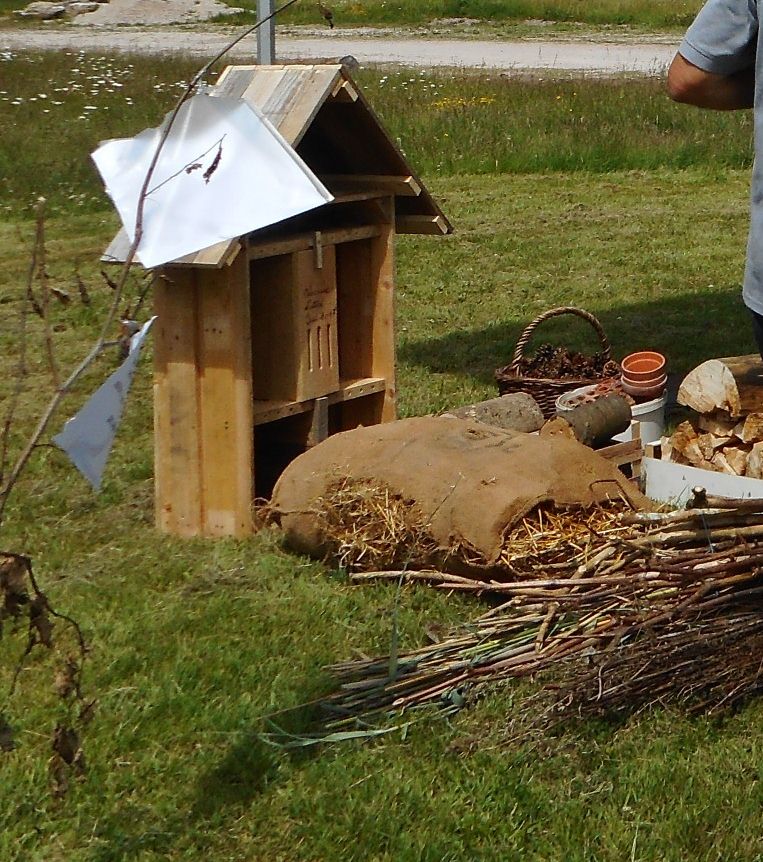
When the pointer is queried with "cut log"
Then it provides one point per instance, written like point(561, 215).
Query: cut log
point(515, 412)
point(752, 429)
point(597, 422)
point(733, 384)
point(755, 462)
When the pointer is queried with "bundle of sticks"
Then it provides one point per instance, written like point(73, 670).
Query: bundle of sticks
point(656, 607)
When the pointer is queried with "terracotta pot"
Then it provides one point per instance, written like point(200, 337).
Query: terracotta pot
point(646, 365)
point(645, 390)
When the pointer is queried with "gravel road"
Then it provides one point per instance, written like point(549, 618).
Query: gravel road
point(554, 56)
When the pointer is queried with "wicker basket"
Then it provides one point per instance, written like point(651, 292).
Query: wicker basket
point(546, 390)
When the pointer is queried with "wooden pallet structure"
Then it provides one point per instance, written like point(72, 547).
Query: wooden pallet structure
point(267, 344)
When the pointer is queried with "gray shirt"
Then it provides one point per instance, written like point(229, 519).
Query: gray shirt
point(724, 39)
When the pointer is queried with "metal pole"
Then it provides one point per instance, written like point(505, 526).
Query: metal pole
point(266, 34)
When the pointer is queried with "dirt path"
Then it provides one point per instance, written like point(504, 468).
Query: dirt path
point(559, 56)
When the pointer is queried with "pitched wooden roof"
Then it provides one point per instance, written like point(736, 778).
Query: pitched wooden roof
point(322, 113)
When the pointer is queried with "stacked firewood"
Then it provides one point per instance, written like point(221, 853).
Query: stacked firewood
point(718, 442)
point(725, 434)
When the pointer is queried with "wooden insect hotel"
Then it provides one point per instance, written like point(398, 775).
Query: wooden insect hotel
point(269, 343)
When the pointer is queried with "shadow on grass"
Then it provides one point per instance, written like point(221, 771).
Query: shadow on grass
point(245, 771)
point(250, 764)
point(687, 329)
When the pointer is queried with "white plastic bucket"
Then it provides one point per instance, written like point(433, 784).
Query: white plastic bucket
point(651, 416)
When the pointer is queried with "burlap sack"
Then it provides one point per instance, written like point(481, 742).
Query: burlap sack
point(470, 482)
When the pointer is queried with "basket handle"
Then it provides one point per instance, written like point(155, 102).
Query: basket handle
point(556, 312)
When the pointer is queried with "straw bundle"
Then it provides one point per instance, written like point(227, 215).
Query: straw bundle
point(368, 526)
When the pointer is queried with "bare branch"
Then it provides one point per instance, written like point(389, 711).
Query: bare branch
point(44, 282)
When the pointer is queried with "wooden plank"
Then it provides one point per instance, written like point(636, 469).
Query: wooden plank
point(234, 80)
point(403, 186)
point(214, 256)
point(294, 326)
point(390, 153)
point(293, 117)
point(383, 339)
point(264, 83)
point(259, 249)
point(350, 390)
point(280, 102)
point(226, 400)
point(316, 324)
point(177, 467)
point(623, 453)
point(344, 91)
point(422, 224)
point(365, 289)
point(319, 423)
point(353, 389)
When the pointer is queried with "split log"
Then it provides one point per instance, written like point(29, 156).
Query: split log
point(752, 429)
point(755, 462)
point(721, 464)
point(737, 456)
point(708, 443)
point(719, 424)
point(685, 442)
point(517, 411)
point(733, 384)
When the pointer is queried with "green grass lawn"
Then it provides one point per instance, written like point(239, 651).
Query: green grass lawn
point(193, 642)
point(655, 14)
point(638, 14)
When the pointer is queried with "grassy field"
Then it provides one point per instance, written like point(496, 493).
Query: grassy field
point(639, 15)
point(192, 642)
point(653, 14)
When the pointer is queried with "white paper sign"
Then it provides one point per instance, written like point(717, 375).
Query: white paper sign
point(223, 171)
point(88, 436)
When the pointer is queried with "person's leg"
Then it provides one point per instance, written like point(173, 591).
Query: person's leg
point(757, 328)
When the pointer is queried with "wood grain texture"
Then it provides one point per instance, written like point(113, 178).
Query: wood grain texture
point(177, 456)
point(226, 401)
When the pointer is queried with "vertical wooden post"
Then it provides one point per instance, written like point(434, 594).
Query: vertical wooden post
point(383, 337)
point(365, 286)
point(204, 430)
point(226, 400)
point(177, 458)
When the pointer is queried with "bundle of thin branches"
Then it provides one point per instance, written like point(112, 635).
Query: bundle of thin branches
point(646, 601)
point(701, 664)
